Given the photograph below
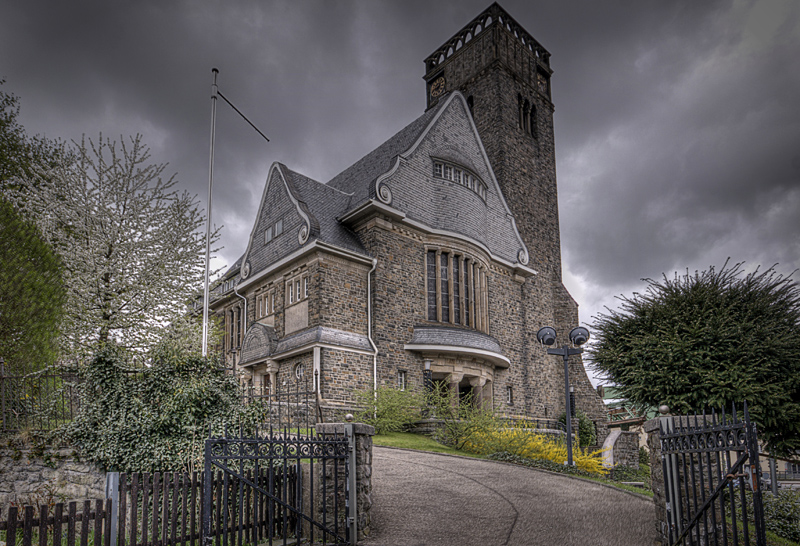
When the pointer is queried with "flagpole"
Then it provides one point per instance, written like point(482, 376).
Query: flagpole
point(214, 93)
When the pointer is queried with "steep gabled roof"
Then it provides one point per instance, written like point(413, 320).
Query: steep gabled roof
point(323, 203)
point(359, 178)
point(309, 210)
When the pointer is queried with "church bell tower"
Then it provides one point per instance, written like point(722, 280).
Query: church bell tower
point(505, 75)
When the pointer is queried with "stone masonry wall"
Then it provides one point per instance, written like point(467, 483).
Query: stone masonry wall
point(41, 476)
point(623, 448)
point(495, 71)
point(651, 427)
point(363, 434)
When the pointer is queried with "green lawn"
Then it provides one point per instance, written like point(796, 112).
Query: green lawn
point(419, 442)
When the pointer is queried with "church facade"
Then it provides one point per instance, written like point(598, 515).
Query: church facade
point(438, 251)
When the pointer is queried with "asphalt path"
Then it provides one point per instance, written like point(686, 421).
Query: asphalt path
point(428, 499)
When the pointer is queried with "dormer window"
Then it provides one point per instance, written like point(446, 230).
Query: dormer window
point(273, 231)
point(459, 175)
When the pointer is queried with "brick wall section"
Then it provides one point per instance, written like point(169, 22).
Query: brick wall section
point(623, 448)
point(344, 374)
point(398, 294)
point(36, 477)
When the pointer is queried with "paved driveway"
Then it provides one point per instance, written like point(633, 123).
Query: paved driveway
point(425, 499)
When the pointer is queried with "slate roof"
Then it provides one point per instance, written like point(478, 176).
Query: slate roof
point(259, 343)
point(323, 204)
point(454, 337)
point(321, 334)
point(359, 178)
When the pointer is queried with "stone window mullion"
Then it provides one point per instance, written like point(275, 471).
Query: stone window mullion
point(438, 286)
point(450, 287)
point(485, 306)
point(477, 288)
point(468, 304)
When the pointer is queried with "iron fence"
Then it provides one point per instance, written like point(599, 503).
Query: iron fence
point(38, 401)
point(292, 405)
point(712, 479)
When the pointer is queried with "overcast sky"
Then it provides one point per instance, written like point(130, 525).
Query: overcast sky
point(677, 123)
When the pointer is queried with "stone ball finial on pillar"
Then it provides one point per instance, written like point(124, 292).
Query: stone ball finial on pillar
point(349, 417)
point(663, 409)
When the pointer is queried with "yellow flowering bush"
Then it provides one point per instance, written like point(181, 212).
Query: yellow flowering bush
point(532, 444)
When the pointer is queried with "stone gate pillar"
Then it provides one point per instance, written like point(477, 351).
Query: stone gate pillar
point(363, 434)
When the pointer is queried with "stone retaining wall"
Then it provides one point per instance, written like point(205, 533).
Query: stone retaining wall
point(38, 476)
point(622, 448)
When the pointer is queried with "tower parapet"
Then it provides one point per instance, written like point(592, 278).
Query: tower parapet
point(499, 38)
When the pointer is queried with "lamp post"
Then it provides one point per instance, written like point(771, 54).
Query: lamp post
point(578, 336)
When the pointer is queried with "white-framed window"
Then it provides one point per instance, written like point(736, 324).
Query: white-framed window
point(299, 370)
point(268, 235)
point(278, 227)
point(401, 380)
point(271, 302)
point(297, 288)
point(509, 395)
point(459, 175)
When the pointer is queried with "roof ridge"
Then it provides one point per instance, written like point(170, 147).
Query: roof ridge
point(323, 184)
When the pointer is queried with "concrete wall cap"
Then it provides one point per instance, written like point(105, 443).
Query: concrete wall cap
point(338, 428)
point(652, 425)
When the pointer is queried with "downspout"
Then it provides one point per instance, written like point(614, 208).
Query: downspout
point(244, 325)
point(369, 329)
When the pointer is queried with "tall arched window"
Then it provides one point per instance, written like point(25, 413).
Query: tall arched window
point(456, 289)
point(533, 125)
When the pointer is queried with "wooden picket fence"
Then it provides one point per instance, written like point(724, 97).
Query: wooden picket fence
point(85, 528)
point(162, 509)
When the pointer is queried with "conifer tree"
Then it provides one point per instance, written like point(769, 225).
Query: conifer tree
point(707, 340)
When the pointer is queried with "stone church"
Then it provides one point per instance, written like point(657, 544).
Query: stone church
point(439, 250)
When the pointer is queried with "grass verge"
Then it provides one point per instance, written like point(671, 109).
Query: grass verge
point(419, 442)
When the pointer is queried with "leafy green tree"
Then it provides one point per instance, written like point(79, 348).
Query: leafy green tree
point(707, 340)
point(31, 295)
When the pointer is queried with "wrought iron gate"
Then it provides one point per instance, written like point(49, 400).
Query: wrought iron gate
point(712, 479)
point(279, 488)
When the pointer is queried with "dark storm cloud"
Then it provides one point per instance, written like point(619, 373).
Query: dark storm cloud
point(677, 123)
